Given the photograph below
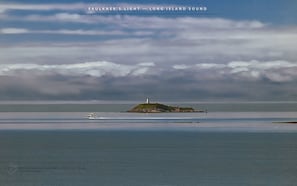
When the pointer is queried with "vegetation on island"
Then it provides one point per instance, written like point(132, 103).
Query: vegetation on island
point(157, 108)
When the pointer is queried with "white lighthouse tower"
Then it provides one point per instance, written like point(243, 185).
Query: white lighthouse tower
point(147, 101)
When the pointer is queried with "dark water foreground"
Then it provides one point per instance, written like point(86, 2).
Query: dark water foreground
point(148, 158)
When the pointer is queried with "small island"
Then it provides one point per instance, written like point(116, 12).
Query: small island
point(158, 108)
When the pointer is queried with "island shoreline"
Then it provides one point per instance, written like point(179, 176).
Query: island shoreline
point(161, 108)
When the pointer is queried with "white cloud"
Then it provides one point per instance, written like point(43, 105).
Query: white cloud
point(254, 64)
point(194, 49)
point(14, 31)
point(67, 16)
point(16, 6)
point(80, 32)
point(181, 67)
point(275, 71)
point(60, 17)
point(170, 40)
point(210, 65)
point(95, 69)
point(63, 32)
point(182, 43)
point(183, 36)
point(147, 64)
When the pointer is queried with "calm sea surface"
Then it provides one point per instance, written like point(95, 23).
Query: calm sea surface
point(236, 146)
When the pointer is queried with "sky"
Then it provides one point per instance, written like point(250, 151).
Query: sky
point(190, 50)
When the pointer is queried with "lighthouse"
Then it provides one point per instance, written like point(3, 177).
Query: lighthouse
point(147, 101)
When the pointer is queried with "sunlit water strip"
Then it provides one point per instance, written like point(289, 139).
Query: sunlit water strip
point(215, 121)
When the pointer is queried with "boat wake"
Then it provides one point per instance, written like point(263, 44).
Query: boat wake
point(93, 116)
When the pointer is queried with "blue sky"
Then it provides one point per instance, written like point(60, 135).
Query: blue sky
point(234, 50)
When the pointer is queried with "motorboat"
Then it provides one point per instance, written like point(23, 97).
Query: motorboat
point(94, 116)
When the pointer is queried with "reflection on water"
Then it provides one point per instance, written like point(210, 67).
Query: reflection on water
point(215, 121)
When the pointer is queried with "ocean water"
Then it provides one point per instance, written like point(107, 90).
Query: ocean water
point(147, 158)
point(219, 148)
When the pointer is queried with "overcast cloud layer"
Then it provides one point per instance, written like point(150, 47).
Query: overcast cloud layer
point(62, 51)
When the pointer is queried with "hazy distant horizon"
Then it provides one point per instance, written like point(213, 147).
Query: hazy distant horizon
point(138, 101)
point(123, 106)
